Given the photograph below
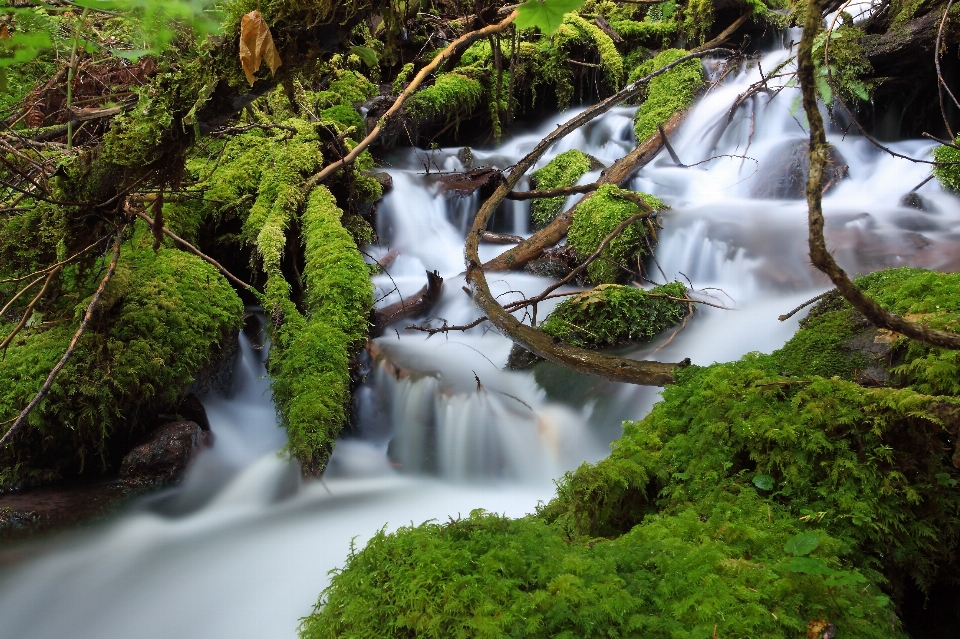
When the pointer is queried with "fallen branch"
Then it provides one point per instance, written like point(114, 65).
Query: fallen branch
point(446, 328)
point(819, 255)
point(22, 417)
point(416, 306)
point(19, 293)
point(565, 190)
point(726, 33)
point(590, 362)
point(451, 49)
point(500, 238)
point(193, 249)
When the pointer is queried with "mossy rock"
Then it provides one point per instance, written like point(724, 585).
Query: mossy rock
point(596, 218)
point(611, 315)
point(836, 340)
point(163, 317)
point(563, 170)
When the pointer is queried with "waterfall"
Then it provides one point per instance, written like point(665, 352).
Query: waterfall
point(242, 547)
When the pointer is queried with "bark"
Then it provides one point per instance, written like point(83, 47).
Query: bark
point(621, 171)
point(416, 306)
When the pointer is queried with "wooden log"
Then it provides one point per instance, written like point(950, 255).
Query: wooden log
point(416, 306)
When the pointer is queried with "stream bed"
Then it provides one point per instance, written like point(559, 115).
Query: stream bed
point(242, 548)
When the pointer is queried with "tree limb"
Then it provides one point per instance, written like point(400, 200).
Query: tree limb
point(590, 362)
point(819, 255)
point(544, 193)
point(22, 417)
point(26, 313)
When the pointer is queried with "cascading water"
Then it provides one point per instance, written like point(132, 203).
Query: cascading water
point(241, 548)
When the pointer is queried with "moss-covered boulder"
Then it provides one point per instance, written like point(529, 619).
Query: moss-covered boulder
point(667, 93)
point(563, 170)
point(612, 315)
point(599, 216)
point(164, 316)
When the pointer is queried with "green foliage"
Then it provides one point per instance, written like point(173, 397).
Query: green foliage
point(714, 569)
point(546, 15)
point(947, 169)
point(698, 19)
point(613, 315)
point(309, 361)
point(451, 95)
point(596, 218)
point(343, 117)
point(850, 69)
point(163, 317)
point(610, 58)
point(668, 93)
point(563, 170)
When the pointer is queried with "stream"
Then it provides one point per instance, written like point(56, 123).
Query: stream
point(242, 548)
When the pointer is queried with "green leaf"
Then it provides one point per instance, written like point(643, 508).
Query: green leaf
point(546, 15)
point(763, 482)
point(808, 566)
point(802, 544)
point(845, 578)
point(368, 55)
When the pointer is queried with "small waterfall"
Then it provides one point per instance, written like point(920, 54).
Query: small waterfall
point(242, 548)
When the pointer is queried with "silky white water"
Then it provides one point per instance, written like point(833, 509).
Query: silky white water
point(242, 548)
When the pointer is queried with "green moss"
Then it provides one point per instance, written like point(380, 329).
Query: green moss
point(946, 173)
point(716, 569)
point(343, 117)
point(596, 218)
point(610, 58)
point(850, 69)
point(309, 362)
point(163, 317)
point(668, 93)
point(613, 315)
point(563, 170)
point(401, 80)
point(646, 31)
point(451, 95)
point(698, 19)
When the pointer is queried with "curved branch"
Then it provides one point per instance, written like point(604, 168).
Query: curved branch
point(819, 255)
point(22, 417)
point(590, 362)
point(26, 313)
point(455, 46)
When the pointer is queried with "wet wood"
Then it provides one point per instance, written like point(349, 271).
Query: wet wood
point(416, 306)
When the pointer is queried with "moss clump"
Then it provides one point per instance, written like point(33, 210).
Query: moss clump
point(563, 170)
point(309, 363)
point(668, 93)
point(451, 95)
point(850, 69)
point(596, 218)
point(610, 58)
point(612, 315)
point(718, 568)
point(948, 174)
point(162, 318)
point(344, 117)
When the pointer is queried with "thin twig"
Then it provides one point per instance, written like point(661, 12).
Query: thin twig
point(22, 417)
point(53, 266)
point(19, 293)
point(26, 313)
point(785, 317)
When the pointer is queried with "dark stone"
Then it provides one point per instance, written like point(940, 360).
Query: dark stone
point(163, 456)
point(385, 180)
point(520, 359)
point(914, 200)
point(556, 263)
point(783, 176)
point(192, 410)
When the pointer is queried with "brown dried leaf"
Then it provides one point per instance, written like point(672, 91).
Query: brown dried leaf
point(4, 33)
point(256, 46)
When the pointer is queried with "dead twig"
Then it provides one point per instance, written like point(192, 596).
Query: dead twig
point(87, 316)
point(786, 316)
point(543, 193)
point(19, 293)
point(26, 314)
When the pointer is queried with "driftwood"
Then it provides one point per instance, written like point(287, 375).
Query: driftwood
point(416, 306)
point(464, 184)
point(819, 255)
point(500, 238)
point(621, 171)
point(590, 362)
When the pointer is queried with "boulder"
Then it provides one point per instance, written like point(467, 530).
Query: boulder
point(783, 173)
point(164, 454)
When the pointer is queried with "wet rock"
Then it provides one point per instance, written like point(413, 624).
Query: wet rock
point(484, 179)
point(520, 359)
point(385, 180)
point(783, 175)
point(465, 155)
point(914, 200)
point(163, 456)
